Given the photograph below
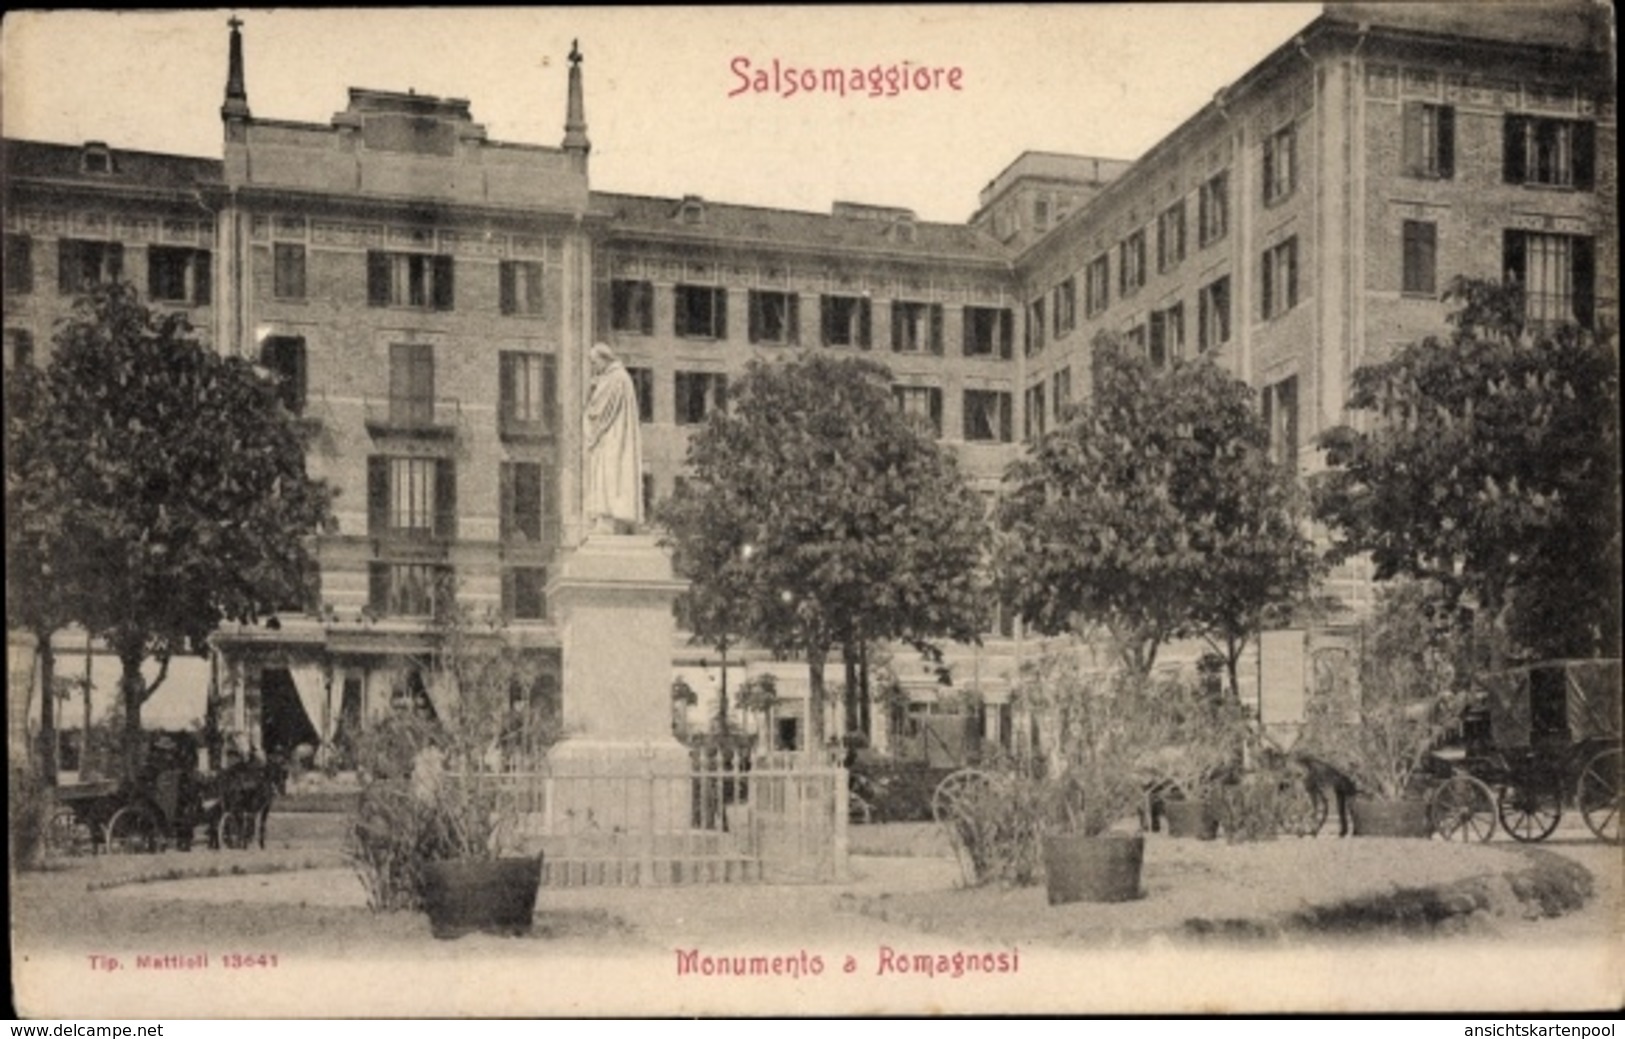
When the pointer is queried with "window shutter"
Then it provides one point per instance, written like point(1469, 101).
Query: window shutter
point(1204, 305)
point(115, 261)
point(720, 382)
point(720, 314)
point(1269, 169)
point(1427, 252)
point(154, 281)
point(203, 275)
point(550, 393)
point(936, 409)
point(505, 511)
point(1291, 274)
point(1447, 142)
point(378, 588)
point(793, 316)
point(1266, 284)
point(377, 279)
point(67, 262)
point(506, 287)
point(445, 498)
point(645, 295)
point(1005, 429)
point(298, 375)
point(1512, 256)
point(1005, 334)
point(1585, 282)
point(936, 329)
point(753, 322)
point(824, 319)
point(896, 328)
point(507, 594)
point(377, 495)
point(1513, 135)
point(505, 387)
point(444, 294)
point(603, 310)
point(864, 324)
point(1412, 161)
point(1585, 156)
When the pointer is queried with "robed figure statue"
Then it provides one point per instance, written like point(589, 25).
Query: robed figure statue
point(614, 502)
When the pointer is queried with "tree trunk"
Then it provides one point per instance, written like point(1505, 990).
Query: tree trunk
point(133, 692)
point(864, 725)
point(47, 713)
point(722, 702)
point(849, 659)
point(815, 698)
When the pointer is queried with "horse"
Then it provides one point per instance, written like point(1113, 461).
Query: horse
point(246, 791)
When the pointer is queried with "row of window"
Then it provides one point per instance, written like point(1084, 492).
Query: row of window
point(418, 589)
point(413, 497)
point(701, 312)
point(985, 415)
point(1535, 150)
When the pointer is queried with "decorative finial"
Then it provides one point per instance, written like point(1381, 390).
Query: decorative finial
point(236, 106)
point(575, 52)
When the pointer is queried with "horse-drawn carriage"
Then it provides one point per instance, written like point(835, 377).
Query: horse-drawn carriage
point(165, 803)
point(1537, 735)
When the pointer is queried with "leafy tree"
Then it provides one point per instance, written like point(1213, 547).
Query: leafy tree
point(176, 482)
point(1154, 512)
point(816, 516)
point(35, 599)
point(1488, 462)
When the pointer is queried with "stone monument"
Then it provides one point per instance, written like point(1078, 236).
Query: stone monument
point(611, 597)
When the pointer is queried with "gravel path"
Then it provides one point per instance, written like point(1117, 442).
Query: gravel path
point(620, 950)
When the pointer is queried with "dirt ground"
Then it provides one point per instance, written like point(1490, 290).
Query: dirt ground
point(298, 902)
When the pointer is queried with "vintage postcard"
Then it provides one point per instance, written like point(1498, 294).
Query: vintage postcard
point(502, 507)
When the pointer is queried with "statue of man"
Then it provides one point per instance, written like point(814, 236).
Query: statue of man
point(614, 502)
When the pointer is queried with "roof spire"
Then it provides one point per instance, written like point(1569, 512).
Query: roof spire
point(236, 106)
point(575, 118)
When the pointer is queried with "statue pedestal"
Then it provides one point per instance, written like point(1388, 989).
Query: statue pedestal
point(619, 769)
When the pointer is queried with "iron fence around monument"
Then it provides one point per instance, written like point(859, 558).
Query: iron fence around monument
point(773, 819)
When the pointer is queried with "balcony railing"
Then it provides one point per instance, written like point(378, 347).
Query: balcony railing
point(516, 427)
point(414, 416)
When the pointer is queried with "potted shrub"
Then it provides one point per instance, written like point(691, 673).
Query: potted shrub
point(1206, 729)
point(1101, 726)
point(437, 825)
point(1379, 727)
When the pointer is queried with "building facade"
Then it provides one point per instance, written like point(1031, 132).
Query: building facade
point(428, 295)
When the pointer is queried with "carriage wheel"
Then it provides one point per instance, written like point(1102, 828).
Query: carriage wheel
point(68, 834)
point(1303, 810)
point(1462, 809)
point(1598, 794)
point(237, 829)
point(133, 828)
point(1529, 812)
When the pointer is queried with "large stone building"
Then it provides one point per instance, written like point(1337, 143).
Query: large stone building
point(429, 295)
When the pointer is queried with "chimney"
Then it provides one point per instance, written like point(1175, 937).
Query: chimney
point(575, 118)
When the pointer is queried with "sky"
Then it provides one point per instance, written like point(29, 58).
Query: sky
point(1103, 80)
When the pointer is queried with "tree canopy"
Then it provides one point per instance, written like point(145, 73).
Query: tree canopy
point(1488, 461)
point(1154, 511)
point(171, 481)
point(814, 515)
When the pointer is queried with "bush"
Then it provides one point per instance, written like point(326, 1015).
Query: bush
point(996, 821)
point(28, 817)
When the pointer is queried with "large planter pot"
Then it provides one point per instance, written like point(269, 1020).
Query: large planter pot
point(1191, 819)
point(497, 896)
point(1373, 818)
point(1093, 869)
